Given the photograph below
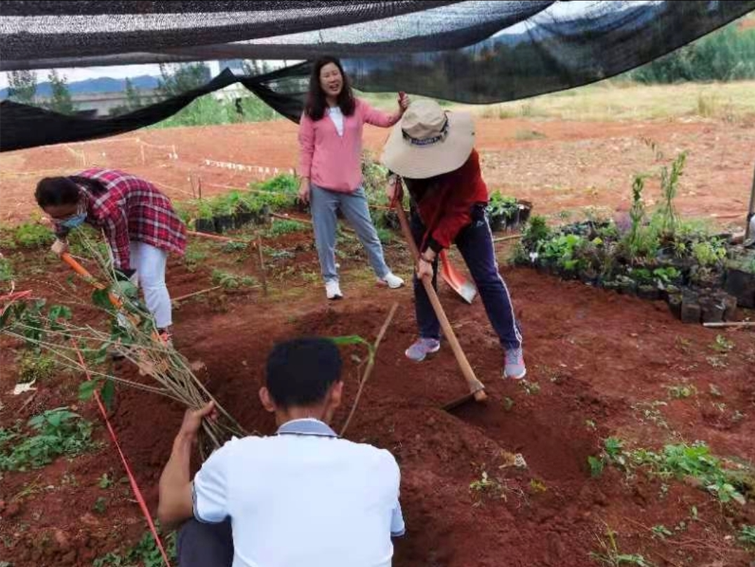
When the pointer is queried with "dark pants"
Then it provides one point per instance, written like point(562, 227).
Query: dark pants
point(205, 545)
point(475, 242)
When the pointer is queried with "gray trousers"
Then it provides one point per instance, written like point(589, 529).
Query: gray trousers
point(324, 204)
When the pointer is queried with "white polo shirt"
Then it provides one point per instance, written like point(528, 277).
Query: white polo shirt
point(303, 497)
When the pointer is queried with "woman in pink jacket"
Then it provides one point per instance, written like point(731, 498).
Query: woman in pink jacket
point(330, 138)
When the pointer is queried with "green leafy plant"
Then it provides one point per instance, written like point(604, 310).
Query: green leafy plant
point(722, 345)
point(508, 404)
point(232, 281)
point(6, 270)
point(669, 188)
point(661, 532)
point(709, 252)
point(33, 235)
point(486, 487)
point(727, 480)
point(596, 466)
point(231, 247)
point(536, 232)
point(563, 250)
point(144, 553)
point(100, 505)
point(193, 258)
point(681, 391)
point(281, 227)
point(57, 432)
point(610, 555)
point(502, 205)
point(105, 482)
point(747, 535)
point(33, 366)
point(640, 241)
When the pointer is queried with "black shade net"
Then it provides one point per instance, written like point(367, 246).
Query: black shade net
point(473, 51)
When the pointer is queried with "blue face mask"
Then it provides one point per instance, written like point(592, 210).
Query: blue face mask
point(74, 221)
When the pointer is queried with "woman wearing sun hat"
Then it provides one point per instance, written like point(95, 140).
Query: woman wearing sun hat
point(432, 151)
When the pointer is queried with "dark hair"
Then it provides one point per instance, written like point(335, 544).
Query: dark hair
point(316, 103)
point(52, 191)
point(300, 372)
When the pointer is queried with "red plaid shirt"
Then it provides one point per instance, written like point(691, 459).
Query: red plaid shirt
point(133, 209)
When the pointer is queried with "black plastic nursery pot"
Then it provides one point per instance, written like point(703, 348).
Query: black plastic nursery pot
point(243, 218)
point(205, 225)
point(649, 292)
point(525, 209)
point(691, 311)
point(224, 223)
point(497, 222)
point(741, 285)
point(711, 310)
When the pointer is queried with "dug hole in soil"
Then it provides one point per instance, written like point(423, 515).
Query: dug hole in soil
point(592, 353)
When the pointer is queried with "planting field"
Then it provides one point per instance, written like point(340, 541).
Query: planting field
point(631, 442)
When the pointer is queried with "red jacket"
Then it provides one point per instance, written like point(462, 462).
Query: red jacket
point(445, 202)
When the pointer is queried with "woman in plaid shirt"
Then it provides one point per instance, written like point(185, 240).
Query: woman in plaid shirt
point(138, 221)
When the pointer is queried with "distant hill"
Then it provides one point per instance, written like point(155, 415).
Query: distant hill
point(99, 85)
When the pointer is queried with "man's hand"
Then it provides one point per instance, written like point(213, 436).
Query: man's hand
point(193, 420)
point(424, 267)
point(304, 190)
point(59, 247)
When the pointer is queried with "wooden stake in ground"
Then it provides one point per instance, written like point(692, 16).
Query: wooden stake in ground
point(370, 366)
point(263, 270)
point(475, 386)
point(194, 294)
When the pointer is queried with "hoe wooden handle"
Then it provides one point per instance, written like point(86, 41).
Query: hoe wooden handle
point(476, 388)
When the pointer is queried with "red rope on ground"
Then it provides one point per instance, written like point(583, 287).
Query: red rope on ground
point(134, 486)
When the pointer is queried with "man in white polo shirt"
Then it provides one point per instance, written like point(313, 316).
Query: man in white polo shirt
point(302, 497)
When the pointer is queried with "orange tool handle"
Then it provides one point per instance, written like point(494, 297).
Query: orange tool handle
point(84, 273)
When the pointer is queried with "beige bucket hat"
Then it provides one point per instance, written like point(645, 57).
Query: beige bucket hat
point(428, 141)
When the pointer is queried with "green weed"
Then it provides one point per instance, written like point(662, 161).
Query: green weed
point(145, 553)
point(100, 505)
point(105, 482)
point(6, 270)
point(34, 235)
point(661, 532)
point(725, 479)
point(681, 392)
point(58, 432)
point(33, 366)
point(281, 227)
point(232, 281)
point(610, 555)
point(747, 535)
point(722, 345)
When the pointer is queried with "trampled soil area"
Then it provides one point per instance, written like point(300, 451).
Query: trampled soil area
point(600, 365)
point(559, 165)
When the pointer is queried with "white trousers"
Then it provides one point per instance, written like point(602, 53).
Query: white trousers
point(149, 263)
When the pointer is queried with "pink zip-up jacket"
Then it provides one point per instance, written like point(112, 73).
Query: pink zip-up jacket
point(334, 162)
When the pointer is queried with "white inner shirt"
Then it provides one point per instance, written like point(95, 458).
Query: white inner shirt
point(337, 117)
point(303, 497)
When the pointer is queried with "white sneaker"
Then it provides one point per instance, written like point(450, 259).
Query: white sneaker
point(392, 281)
point(333, 290)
